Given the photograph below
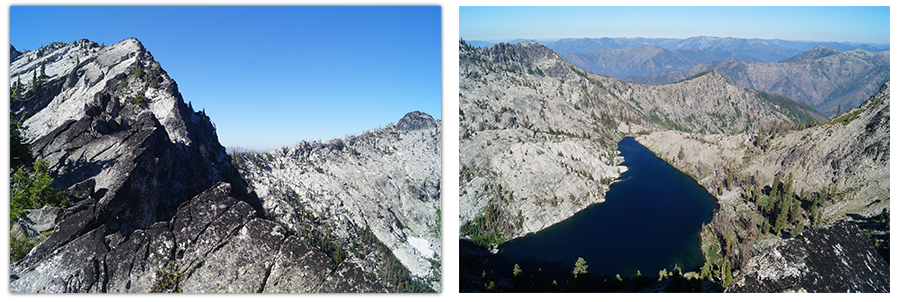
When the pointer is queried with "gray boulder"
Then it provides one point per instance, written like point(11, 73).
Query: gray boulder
point(35, 222)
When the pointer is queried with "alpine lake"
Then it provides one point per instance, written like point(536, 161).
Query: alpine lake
point(651, 220)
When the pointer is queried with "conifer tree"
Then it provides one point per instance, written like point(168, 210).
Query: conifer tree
point(35, 83)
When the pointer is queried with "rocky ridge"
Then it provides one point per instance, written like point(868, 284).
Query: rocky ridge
point(538, 135)
point(146, 182)
point(387, 180)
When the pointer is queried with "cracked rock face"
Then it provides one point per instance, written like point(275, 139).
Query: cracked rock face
point(150, 186)
point(217, 242)
point(837, 258)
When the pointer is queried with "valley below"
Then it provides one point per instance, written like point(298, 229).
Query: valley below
point(538, 143)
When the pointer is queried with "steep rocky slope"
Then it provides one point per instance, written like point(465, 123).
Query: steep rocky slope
point(387, 180)
point(145, 180)
point(838, 170)
point(813, 77)
point(510, 154)
point(849, 155)
point(833, 259)
point(538, 135)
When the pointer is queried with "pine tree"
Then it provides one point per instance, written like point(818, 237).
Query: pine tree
point(17, 88)
point(35, 83)
point(19, 151)
point(582, 278)
point(726, 274)
point(580, 267)
point(518, 279)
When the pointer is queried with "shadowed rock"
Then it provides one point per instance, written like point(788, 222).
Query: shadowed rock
point(217, 243)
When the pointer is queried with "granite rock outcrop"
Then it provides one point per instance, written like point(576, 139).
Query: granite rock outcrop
point(834, 259)
point(151, 191)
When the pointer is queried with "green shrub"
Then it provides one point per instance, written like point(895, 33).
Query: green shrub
point(19, 247)
point(31, 189)
point(139, 100)
point(167, 280)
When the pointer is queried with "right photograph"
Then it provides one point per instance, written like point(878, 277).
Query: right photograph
point(674, 149)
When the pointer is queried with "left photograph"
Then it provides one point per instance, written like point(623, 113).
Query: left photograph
point(225, 149)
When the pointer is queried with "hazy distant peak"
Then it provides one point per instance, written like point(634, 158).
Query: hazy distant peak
point(812, 54)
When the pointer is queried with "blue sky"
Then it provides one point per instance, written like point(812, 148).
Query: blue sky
point(822, 24)
point(272, 76)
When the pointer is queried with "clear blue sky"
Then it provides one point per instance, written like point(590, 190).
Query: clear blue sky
point(272, 76)
point(821, 24)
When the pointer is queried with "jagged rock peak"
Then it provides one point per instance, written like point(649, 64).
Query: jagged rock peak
point(416, 120)
point(13, 53)
point(522, 56)
point(77, 72)
point(502, 52)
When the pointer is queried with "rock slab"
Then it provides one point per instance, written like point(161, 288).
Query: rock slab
point(838, 258)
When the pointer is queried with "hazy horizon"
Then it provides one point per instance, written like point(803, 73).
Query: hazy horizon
point(860, 25)
point(557, 39)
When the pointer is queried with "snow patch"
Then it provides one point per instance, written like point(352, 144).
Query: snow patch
point(421, 245)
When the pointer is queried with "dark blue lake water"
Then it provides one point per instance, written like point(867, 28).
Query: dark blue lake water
point(650, 220)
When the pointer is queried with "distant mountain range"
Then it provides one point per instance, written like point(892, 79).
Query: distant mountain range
point(825, 75)
point(766, 50)
point(822, 77)
point(640, 61)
